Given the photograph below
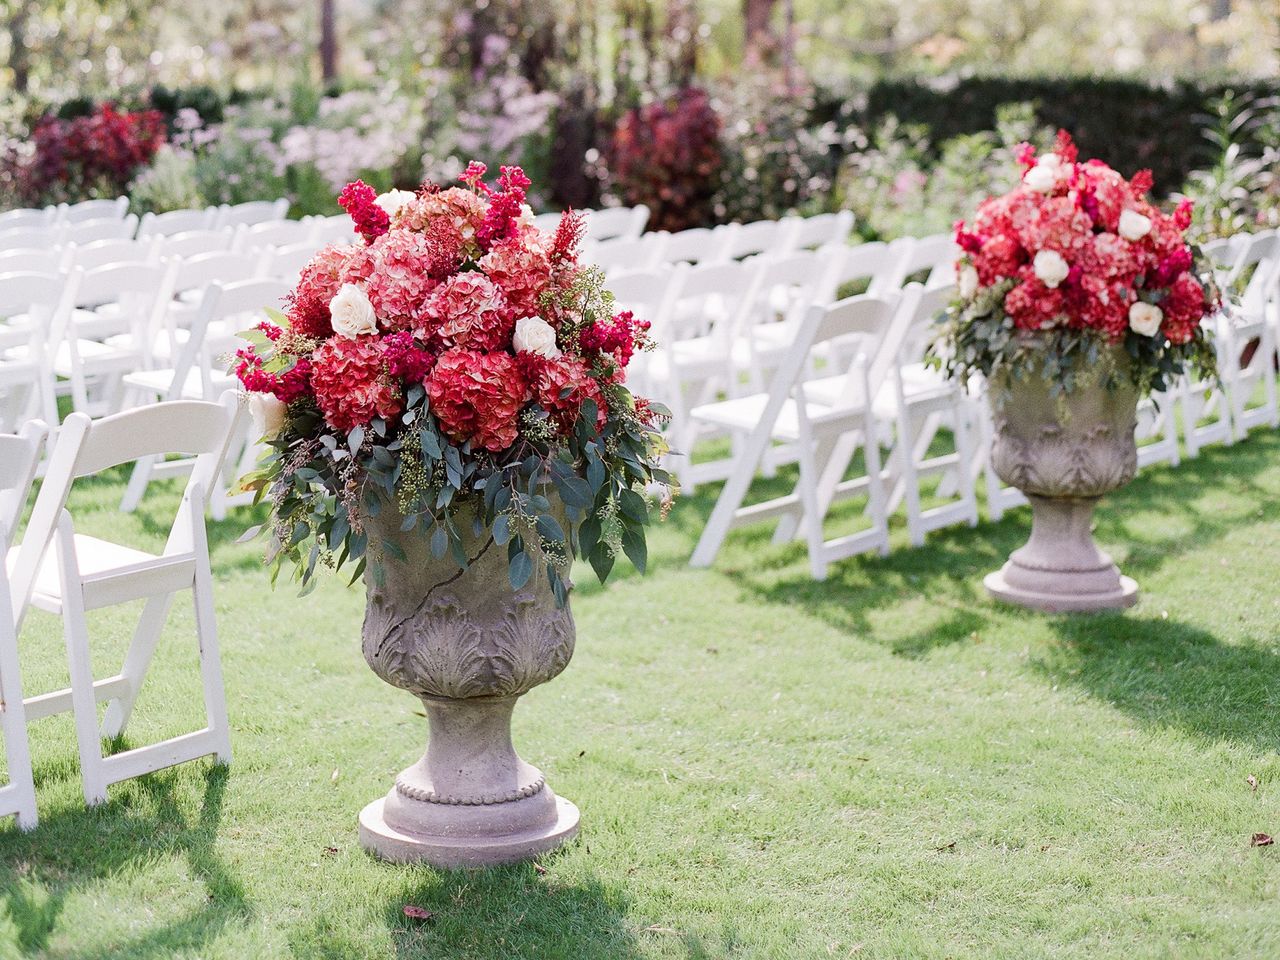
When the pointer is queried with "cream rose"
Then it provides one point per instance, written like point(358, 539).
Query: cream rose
point(393, 201)
point(535, 335)
point(1133, 225)
point(967, 280)
point(352, 313)
point(1145, 318)
point(1050, 268)
point(268, 414)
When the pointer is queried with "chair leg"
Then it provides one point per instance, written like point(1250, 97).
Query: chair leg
point(215, 698)
point(79, 664)
point(13, 721)
point(146, 636)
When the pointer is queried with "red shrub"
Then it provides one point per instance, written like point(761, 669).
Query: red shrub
point(96, 155)
point(667, 155)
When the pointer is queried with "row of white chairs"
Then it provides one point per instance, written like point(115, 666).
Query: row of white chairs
point(92, 219)
point(60, 571)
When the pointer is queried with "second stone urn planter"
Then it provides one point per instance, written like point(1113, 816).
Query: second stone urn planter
point(1064, 453)
point(468, 646)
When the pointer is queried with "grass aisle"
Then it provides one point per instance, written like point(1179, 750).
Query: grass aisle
point(882, 765)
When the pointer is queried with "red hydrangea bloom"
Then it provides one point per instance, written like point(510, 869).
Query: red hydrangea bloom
point(1032, 305)
point(452, 216)
point(358, 199)
point(522, 272)
point(405, 359)
point(352, 384)
point(400, 281)
point(1183, 308)
point(308, 304)
point(561, 386)
point(477, 397)
point(467, 312)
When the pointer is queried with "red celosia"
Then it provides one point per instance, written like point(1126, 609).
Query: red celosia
point(357, 198)
point(405, 359)
point(568, 236)
point(477, 397)
point(504, 208)
point(352, 384)
point(619, 337)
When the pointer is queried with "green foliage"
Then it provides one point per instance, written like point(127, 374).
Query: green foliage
point(1240, 191)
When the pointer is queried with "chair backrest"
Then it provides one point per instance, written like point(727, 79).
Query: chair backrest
point(925, 309)
point(616, 223)
point(820, 230)
point(874, 265)
point(252, 212)
point(792, 281)
point(218, 267)
point(33, 237)
point(176, 221)
point(336, 229)
point(94, 210)
point(645, 292)
point(188, 427)
point(699, 245)
point(935, 255)
point(30, 260)
point(142, 289)
point(192, 243)
point(877, 325)
point(35, 292)
point(548, 221)
point(286, 262)
point(768, 237)
point(716, 299)
point(221, 302)
point(101, 253)
point(635, 253)
point(19, 457)
point(1262, 253)
point(277, 233)
point(26, 218)
point(105, 228)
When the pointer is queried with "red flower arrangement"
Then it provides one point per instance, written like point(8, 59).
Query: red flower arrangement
point(1077, 251)
point(457, 349)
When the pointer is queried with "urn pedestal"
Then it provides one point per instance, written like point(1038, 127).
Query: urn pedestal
point(1064, 454)
point(468, 647)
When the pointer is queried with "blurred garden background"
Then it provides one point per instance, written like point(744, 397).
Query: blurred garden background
point(706, 110)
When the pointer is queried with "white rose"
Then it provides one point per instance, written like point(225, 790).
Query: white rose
point(535, 335)
point(268, 414)
point(1050, 268)
point(1133, 225)
point(1040, 179)
point(968, 282)
point(1145, 318)
point(352, 313)
point(393, 201)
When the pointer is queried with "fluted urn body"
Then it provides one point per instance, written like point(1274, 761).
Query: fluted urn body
point(1064, 452)
point(467, 645)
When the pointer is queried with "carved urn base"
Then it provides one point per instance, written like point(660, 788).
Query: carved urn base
point(470, 802)
point(1061, 569)
point(1064, 452)
point(467, 646)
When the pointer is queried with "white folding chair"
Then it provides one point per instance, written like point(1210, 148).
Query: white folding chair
point(1156, 431)
point(822, 230)
point(31, 260)
point(101, 253)
point(25, 218)
point(68, 574)
point(825, 438)
point(44, 237)
point(19, 456)
point(699, 245)
point(649, 295)
point(250, 213)
point(107, 228)
point(626, 254)
point(616, 223)
point(761, 237)
point(934, 257)
point(1249, 337)
point(197, 375)
point(176, 221)
point(918, 403)
point(276, 233)
point(873, 268)
point(287, 262)
point(38, 305)
point(192, 243)
point(93, 210)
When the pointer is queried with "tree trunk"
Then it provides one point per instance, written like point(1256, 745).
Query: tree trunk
point(328, 42)
point(19, 52)
point(760, 42)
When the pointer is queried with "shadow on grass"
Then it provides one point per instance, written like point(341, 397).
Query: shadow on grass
point(508, 912)
point(1169, 674)
point(72, 850)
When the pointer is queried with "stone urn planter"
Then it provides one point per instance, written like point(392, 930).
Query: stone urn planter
point(1064, 464)
point(468, 646)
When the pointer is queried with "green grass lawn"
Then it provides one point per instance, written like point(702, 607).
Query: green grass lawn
point(882, 765)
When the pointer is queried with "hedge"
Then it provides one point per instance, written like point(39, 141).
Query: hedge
point(1128, 123)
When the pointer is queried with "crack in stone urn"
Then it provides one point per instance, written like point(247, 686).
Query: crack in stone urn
point(1064, 465)
point(468, 646)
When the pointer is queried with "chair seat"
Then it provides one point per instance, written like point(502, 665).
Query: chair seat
point(110, 573)
point(743, 414)
point(95, 357)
